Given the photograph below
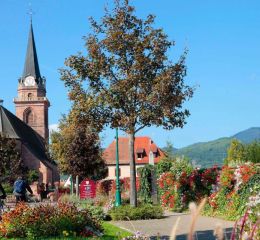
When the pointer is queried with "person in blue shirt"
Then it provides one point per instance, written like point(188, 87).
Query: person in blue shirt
point(20, 188)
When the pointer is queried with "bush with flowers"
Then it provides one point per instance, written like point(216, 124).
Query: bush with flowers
point(237, 194)
point(177, 190)
point(63, 219)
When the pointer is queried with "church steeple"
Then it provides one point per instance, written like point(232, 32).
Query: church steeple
point(31, 103)
point(31, 66)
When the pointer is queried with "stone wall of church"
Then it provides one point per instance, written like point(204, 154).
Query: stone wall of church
point(40, 116)
point(33, 162)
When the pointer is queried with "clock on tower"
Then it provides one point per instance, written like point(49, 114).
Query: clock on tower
point(29, 81)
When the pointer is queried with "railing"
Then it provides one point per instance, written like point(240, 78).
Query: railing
point(30, 99)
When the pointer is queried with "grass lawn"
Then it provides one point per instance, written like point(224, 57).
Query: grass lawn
point(111, 232)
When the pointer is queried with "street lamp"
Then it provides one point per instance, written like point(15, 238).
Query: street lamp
point(118, 193)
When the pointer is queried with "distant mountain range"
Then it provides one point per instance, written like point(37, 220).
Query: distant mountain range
point(206, 154)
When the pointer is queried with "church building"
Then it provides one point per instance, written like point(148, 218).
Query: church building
point(30, 125)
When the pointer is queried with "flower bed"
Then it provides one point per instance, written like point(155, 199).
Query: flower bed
point(238, 196)
point(64, 219)
point(176, 191)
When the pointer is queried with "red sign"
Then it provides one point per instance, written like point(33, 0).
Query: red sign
point(87, 189)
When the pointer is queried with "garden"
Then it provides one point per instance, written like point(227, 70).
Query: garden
point(231, 192)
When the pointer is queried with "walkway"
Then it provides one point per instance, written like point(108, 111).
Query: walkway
point(163, 227)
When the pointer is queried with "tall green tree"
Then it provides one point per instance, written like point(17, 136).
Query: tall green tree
point(236, 153)
point(84, 155)
point(60, 141)
point(253, 152)
point(126, 79)
point(76, 147)
point(11, 164)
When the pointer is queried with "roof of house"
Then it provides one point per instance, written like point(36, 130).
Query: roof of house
point(12, 127)
point(143, 145)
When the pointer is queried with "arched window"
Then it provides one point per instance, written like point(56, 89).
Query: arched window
point(28, 117)
point(30, 96)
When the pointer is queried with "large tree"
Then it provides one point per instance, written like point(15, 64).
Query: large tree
point(11, 164)
point(126, 79)
point(60, 141)
point(76, 146)
point(84, 156)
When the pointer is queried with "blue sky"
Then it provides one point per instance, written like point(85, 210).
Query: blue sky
point(223, 38)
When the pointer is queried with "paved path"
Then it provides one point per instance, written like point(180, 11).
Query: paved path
point(163, 227)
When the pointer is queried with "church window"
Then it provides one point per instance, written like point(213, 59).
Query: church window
point(30, 96)
point(29, 117)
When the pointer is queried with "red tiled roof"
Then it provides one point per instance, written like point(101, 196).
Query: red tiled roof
point(144, 143)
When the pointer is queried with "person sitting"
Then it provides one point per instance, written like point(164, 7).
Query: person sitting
point(3, 194)
point(20, 187)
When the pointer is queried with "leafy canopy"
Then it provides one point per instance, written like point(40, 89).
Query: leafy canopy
point(77, 149)
point(240, 153)
point(11, 164)
point(126, 79)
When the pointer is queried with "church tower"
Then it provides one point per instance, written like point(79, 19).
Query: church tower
point(32, 104)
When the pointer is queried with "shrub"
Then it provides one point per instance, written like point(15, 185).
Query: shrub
point(164, 165)
point(95, 211)
point(48, 221)
point(145, 211)
point(33, 176)
point(146, 174)
point(179, 188)
point(237, 195)
point(8, 188)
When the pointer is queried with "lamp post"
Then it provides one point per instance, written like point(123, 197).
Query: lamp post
point(118, 193)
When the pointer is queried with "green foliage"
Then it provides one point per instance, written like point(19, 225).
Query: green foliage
point(111, 232)
point(60, 141)
point(8, 188)
point(96, 212)
point(84, 156)
point(145, 190)
point(238, 192)
point(236, 153)
point(207, 154)
point(127, 212)
point(126, 79)
point(47, 220)
point(77, 148)
point(240, 153)
point(164, 165)
point(253, 152)
point(181, 164)
point(32, 176)
point(178, 189)
point(11, 164)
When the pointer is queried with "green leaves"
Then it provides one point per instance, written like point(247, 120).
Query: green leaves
point(77, 147)
point(127, 74)
point(10, 161)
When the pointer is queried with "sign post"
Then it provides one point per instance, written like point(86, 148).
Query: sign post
point(87, 189)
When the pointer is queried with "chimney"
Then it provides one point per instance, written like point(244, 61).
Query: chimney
point(1, 102)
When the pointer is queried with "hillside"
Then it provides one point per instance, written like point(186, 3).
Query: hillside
point(213, 152)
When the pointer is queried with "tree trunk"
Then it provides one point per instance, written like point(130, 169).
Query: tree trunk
point(133, 192)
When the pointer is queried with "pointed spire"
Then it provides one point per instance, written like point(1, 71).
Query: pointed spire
point(31, 66)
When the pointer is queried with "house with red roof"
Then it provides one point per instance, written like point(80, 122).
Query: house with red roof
point(146, 152)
